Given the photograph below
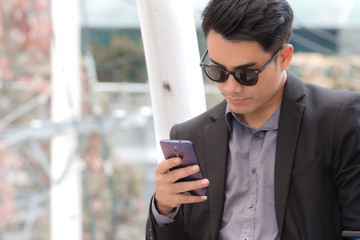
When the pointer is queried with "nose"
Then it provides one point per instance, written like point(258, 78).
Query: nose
point(231, 85)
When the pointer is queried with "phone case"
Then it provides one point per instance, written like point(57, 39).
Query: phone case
point(185, 150)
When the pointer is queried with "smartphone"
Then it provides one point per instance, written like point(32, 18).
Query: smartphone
point(185, 150)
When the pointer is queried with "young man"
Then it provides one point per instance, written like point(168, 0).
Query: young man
point(281, 158)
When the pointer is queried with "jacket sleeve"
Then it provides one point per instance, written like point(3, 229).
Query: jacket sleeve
point(173, 231)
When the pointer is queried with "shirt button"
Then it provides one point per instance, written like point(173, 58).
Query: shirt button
point(257, 137)
point(251, 205)
point(245, 238)
point(253, 171)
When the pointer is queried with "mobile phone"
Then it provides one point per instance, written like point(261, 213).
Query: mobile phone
point(185, 150)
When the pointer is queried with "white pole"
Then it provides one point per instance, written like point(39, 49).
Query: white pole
point(172, 59)
point(66, 210)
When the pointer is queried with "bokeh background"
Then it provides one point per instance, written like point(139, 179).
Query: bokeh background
point(116, 108)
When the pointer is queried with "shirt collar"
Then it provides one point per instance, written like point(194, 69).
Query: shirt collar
point(270, 124)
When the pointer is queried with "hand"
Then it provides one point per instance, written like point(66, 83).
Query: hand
point(169, 194)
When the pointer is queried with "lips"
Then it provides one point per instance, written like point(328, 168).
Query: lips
point(237, 101)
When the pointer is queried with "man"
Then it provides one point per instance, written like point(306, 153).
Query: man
point(281, 158)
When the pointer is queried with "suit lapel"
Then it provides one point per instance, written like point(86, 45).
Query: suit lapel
point(288, 131)
point(216, 144)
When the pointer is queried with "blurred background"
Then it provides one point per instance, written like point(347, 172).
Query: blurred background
point(116, 144)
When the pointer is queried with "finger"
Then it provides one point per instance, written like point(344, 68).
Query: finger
point(165, 165)
point(185, 198)
point(179, 173)
point(182, 187)
point(178, 199)
point(175, 201)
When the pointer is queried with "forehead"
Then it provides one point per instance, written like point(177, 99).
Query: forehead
point(232, 53)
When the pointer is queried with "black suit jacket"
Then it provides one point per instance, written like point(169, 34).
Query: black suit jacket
point(317, 167)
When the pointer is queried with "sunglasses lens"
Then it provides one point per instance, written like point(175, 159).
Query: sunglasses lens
point(243, 76)
point(215, 73)
point(246, 77)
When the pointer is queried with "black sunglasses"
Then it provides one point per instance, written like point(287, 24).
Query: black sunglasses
point(244, 76)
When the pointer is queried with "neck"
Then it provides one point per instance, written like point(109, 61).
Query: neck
point(257, 121)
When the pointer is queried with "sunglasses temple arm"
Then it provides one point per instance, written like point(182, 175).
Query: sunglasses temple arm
point(203, 58)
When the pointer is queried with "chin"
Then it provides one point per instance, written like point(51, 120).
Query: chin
point(240, 110)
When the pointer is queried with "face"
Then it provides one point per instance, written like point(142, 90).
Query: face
point(253, 103)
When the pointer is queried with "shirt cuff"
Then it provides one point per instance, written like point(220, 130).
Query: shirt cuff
point(161, 220)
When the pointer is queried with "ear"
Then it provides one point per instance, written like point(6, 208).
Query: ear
point(286, 54)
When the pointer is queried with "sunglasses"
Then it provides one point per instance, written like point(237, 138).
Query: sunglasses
point(244, 76)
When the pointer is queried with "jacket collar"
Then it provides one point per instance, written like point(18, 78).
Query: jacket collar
point(291, 113)
point(216, 135)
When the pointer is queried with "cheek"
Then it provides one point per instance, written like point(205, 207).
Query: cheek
point(271, 77)
point(220, 87)
point(267, 87)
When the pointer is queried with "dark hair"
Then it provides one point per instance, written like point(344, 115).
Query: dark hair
point(269, 22)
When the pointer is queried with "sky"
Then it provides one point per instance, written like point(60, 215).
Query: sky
point(314, 13)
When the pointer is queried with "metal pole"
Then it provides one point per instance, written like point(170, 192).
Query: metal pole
point(66, 210)
point(172, 59)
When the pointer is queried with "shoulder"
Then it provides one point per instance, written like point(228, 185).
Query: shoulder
point(330, 100)
point(317, 97)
